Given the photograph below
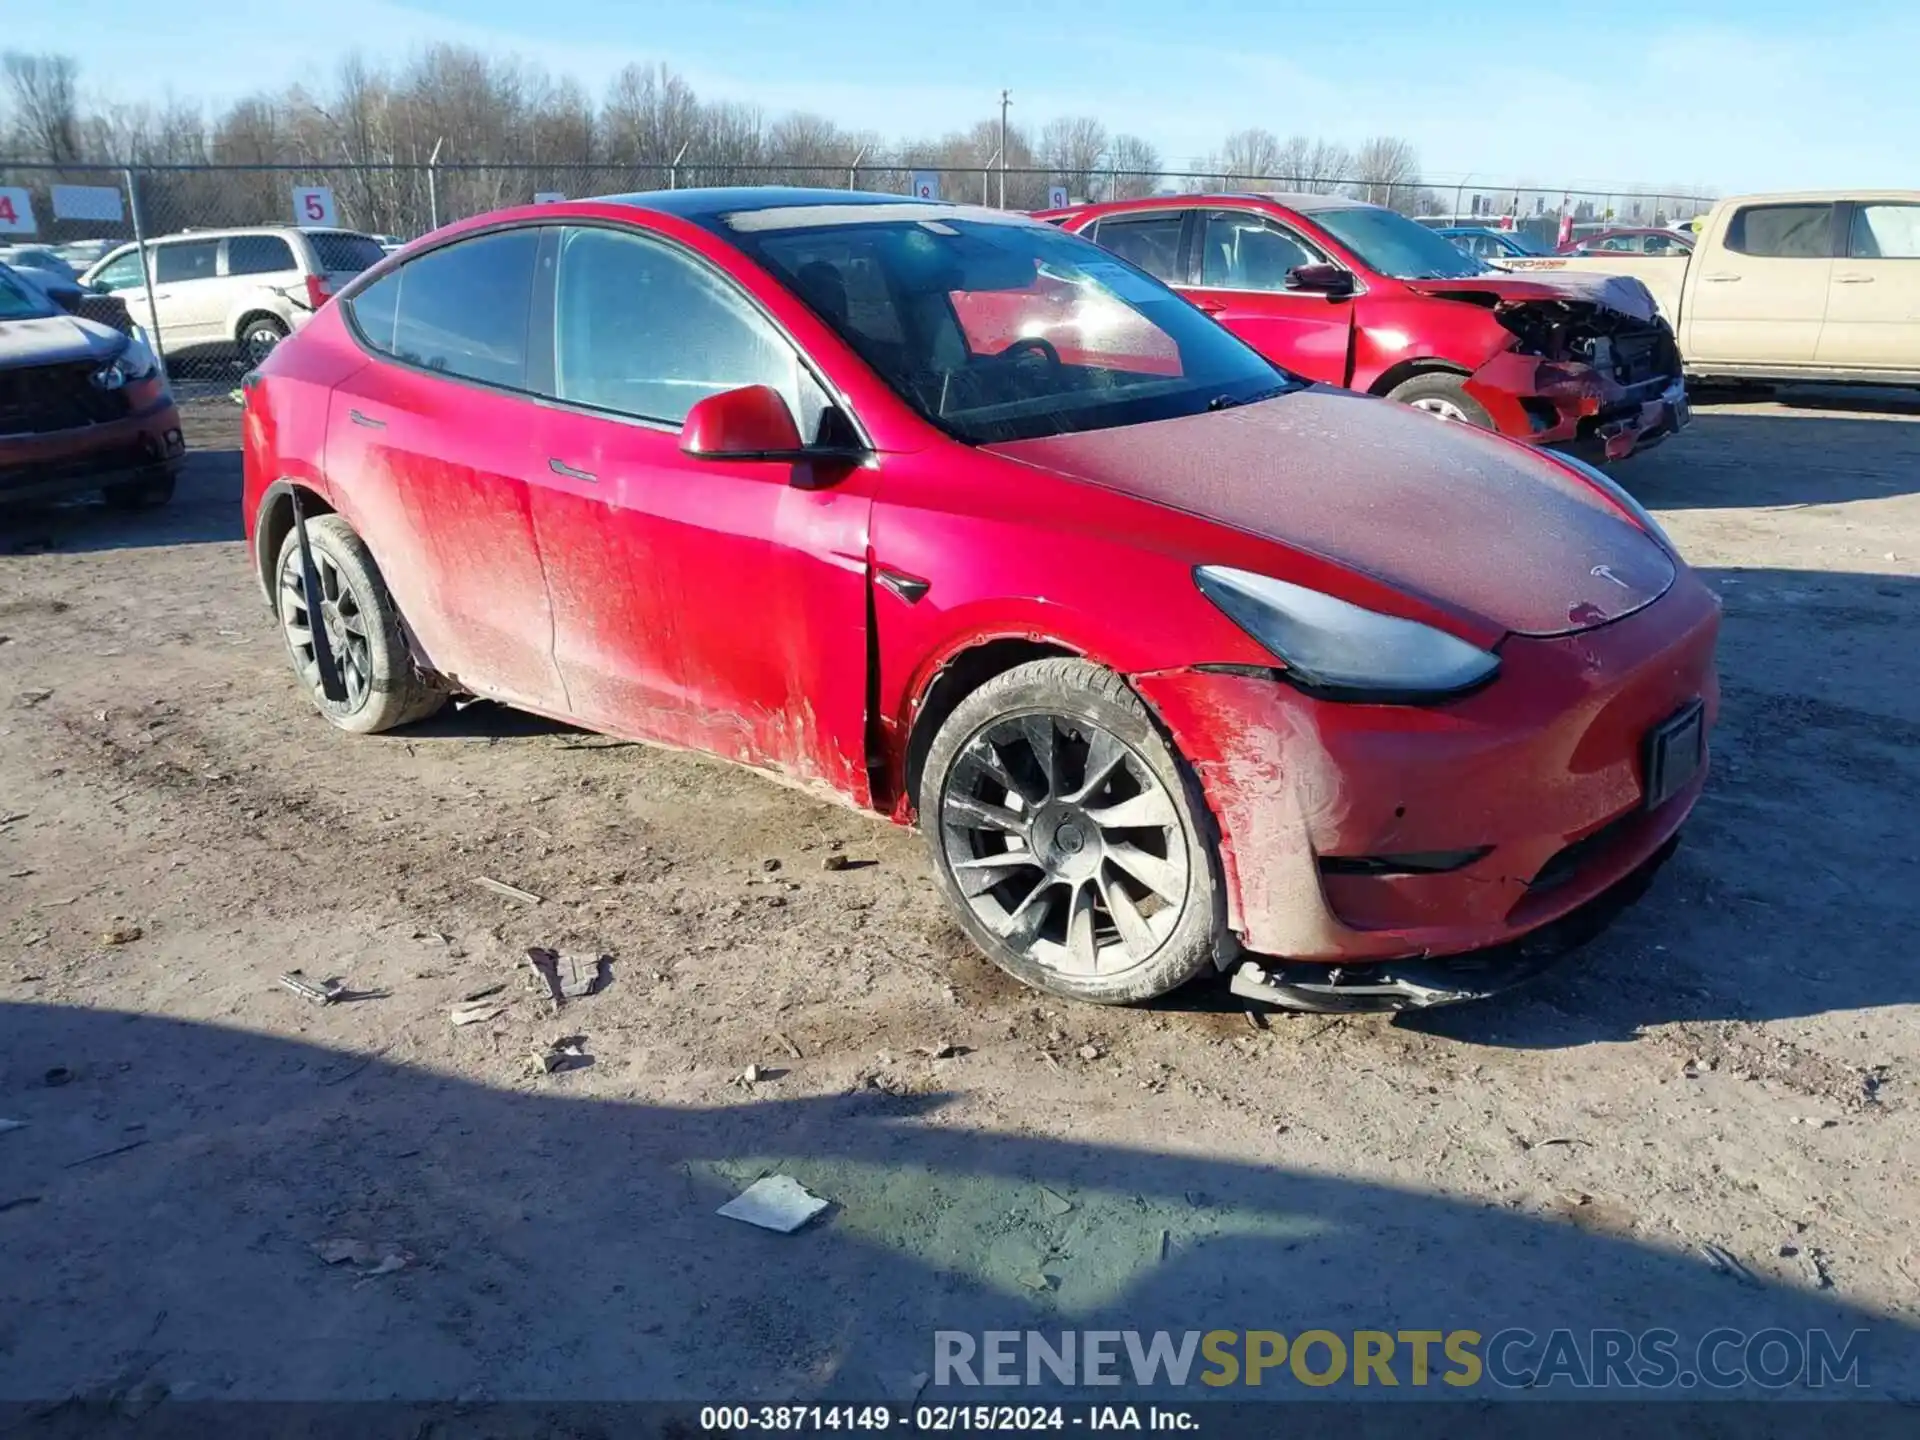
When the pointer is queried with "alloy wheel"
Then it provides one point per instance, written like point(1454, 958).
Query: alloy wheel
point(1065, 843)
point(1445, 409)
point(346, 626)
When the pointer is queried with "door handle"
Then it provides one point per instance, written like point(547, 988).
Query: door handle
point(1854, 279)
point(1209, 307)
point(560, 467)
point(367, 420)
point(1720, 279)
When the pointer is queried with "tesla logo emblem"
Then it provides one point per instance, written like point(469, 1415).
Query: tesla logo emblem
point(1602, 572)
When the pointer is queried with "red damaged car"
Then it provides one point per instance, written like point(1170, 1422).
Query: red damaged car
point(1360, 296)
point(1174, 657)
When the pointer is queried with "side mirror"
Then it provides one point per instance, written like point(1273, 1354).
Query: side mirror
point(1320, 279)
point(751, 423)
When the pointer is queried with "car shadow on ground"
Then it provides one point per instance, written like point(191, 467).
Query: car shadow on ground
point(225, 1214)
point(205, 510)
point(1797, 867)
point(1850, 448)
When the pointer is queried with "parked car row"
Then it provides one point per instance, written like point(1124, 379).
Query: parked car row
point(1181, 660)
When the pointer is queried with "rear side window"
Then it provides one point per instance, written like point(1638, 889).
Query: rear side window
point(643, 330)
point(122, 274)
point(259, 255)
point(186, 260)
point(461, 310)
point(1787, 232)
point(340, 253)
point(1885, 232)
point(1150, 241)
point(1245, 252)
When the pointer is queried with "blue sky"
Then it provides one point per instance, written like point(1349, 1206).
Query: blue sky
point(1729, 94)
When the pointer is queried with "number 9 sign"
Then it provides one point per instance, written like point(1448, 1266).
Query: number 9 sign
point(313, 205)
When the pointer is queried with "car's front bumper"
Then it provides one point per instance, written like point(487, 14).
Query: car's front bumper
point(145, 445)
point(1571, 405)
point(1538, 779)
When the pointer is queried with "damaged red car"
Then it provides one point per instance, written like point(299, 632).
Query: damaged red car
point(1181, 663)
point(1358, 295)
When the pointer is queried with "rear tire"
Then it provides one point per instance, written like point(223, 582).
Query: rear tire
point(1089, 872)
point(384, 688)
point(1445, 395)
point(258, 336)
point(147, 494)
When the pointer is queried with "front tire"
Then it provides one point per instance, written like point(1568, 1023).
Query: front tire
point(384, 689)
point(1070, 839)
point(1444, 395)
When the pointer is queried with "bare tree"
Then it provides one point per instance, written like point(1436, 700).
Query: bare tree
point(1314, 167)
point(43, 96)
point(1135, 165)
point(1386, 171)
point(1071, 146)
point(1248, 155)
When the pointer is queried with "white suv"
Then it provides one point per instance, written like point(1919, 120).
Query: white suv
point(220, 289)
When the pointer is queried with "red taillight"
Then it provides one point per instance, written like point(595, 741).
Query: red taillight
point(318, 291)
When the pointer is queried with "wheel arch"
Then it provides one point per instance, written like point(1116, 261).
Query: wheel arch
point(255, 310)
point(273, 522)
point(957, 675)
point(1402, 371)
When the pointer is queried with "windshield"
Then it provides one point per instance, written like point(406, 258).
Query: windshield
point(996, 329)
point(1394, 245)
point(20, 300)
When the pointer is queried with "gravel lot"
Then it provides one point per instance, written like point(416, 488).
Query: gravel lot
point(1733, 1064)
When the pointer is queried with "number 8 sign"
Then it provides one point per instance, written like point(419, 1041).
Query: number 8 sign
point(313, 205)
point(926, 184)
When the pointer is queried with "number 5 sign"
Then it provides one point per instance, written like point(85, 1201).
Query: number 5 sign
point(313, 205)
point(16, 211)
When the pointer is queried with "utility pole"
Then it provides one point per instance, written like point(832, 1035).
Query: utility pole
point(1006, 99)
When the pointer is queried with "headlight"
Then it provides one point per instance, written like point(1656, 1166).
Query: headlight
point(1617, 493)
point(1342, 651)
point(135, 362)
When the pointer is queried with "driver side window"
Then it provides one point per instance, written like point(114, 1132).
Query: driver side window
point(121, 274)
point(1248, 252)
point(641, 329)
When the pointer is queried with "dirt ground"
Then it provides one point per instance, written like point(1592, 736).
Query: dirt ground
point(1732, 1065)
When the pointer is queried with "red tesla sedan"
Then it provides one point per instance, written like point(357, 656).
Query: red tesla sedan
point(953, 516)
point(1357, 295)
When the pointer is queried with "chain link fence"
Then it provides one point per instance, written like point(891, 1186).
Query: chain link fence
point(82, 213)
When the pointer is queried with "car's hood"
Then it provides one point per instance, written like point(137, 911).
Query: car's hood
point(54, 339)
point(1431, 507)
point(1614, 292)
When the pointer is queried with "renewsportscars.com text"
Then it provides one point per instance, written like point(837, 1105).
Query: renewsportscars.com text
point(1656, 1359)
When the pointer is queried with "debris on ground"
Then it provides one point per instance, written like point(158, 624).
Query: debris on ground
point(370, 1260)
point(1056, 1203)
point(483, 992)
point(769, 865)
point(18, 1202)
point(788, 1045)
point(776, 1202)
point(943, 1051)
point(1036, 1281)
point(750, 1075)
point(57, 1076)
point(568, 975)
point(479, 1012)
point(1255, 1019)
point(1726, 1263)
point(321, 992)
point(834, 861)
point(103, 1154)
point(6, 1125)
point(121, 935)
point(511, 892)
point(569, 1052)
point(1089, 1052)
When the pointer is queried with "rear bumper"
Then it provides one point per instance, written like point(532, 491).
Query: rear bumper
point(1536, 782)
point(1571, 405)
point(70, 462)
